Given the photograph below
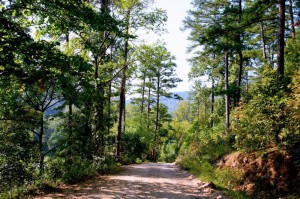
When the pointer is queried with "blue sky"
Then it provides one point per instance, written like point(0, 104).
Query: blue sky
point(175, 39)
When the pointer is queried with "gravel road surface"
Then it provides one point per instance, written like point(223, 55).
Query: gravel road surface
point(148, 181)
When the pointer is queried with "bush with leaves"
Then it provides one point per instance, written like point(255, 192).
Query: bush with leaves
point(106, 165)
point(291, 133)
point(168, 151)
point(17, 156)
point(134, 147)
point(70, 169)
point(72, 157)
point(262, 121)
point(205, 145)
point(201, 150)
point(18, 147)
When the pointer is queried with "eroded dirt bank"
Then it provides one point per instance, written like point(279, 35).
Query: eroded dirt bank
point(269, 173)
point(151, 180)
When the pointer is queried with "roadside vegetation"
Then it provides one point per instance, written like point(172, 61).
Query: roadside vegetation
point(67, 68)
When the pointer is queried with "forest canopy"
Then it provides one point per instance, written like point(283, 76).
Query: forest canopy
point(67, 68)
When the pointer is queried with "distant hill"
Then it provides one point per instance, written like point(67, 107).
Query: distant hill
point(170, 102)
point(173, 103)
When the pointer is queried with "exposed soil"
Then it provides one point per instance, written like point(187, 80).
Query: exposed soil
point(267, 173)
point(151, 180)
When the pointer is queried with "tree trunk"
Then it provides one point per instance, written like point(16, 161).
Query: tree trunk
point(227, 94)
point(122, 90)
point(110, 91)
point(105, 6)
point(124, 114)
point(70, 122)
point(120, 118)
point(100, 106)
point(271, 54)
point(198, 110)
point(96, 113)
point(263, 40)
point(212, 102)
point(240, 73)
point(41, 134)
point(205, 112)
point(280, 49)
point(87, 132)
point(143, 92)
point(155, 149)
point(109, 106)
point(247, 81)
point(101, 121)
point(292, 18)
point(148, 107)
point(98, 131)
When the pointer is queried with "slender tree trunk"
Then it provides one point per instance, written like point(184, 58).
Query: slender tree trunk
point(101, 121)
point(70, 122)
point(41, 134)
point(109, 94)
point(270, 54)
point(98, 131)
point(292, 18)
point(100, 106)
point(87, 132)
point(109, 107)
point(247, 81)
point(240, 73)
point(124, 114)
point(143, 92)
point(227, 94)
point(122, 90)
point(148, 107)
point(280, 49)
point(205, 112)
point(263, 40)
point(155, 149)
point(96, 116)
point(212, 102)
point(105, 5)
point(240, 10)
point(198, 110)
point(70, 105)
point(121, 114)
point(273, 50)
point(96, 74)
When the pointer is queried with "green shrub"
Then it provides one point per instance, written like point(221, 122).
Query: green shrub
point(224, 179)
point(199, 154)
point(69, 170)
point(13, 192)
point(18, 157)
point(168, 152)
point(133, 148)
point(106, 165)
point(270, 118)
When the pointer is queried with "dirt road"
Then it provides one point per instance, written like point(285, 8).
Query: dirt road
point(149, 181)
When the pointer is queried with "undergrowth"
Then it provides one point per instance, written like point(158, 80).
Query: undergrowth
point(199, 154)
point(61, 171)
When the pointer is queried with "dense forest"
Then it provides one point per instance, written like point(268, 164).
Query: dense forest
point(68, 67)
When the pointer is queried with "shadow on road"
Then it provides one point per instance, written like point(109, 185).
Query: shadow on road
point(149, 181)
